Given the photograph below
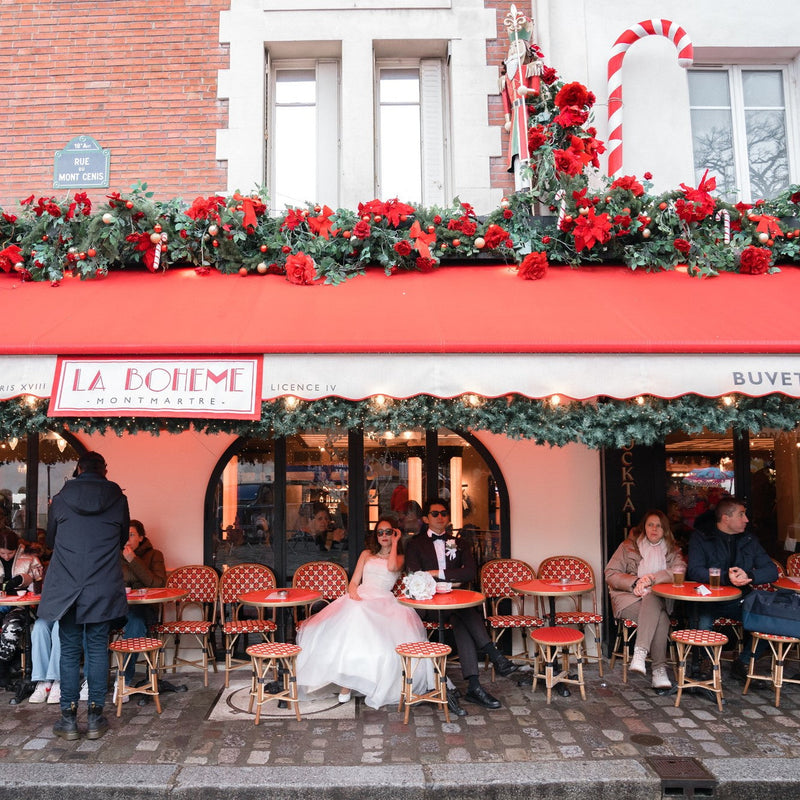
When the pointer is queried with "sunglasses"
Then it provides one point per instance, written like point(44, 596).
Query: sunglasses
point(435, 514)
point(384, 531)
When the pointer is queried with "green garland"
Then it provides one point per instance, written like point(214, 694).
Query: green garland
point(603, 423)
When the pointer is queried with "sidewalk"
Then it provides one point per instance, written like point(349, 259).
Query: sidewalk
point(594, 748)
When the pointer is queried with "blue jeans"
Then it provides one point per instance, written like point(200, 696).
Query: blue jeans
point(95, 652)
point(45, 651)
point(135, 627)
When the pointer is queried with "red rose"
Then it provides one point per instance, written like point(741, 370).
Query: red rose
point(300, 269)
point(536, 138)
point(648, 176)
point(507, 213)
point(549, 76)
point(425, 264)
point(755, 260)
point(494, 236)
point(682, 246)
point(437, 220)
point(468, 227)
point(795, 197)
point(572, 94)
point(361, 230)
point(533, 266)
point(566, 161)
point(571, 117)
point(9, 256)
point(403, 248)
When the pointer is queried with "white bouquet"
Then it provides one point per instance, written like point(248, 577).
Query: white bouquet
point(419, 586)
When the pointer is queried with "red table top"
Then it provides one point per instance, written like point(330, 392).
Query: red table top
point(272, 598)
point(455, 599)
point(26, 599)
point(688, 592)
point(788, 583)
point(154, 595)
point(554, 588)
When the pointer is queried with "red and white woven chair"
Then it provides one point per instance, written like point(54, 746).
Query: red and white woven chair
point(793, 565)
point(496, 578)
point(712, 643)
point(235, 582)
point(780, 647)
point(201, 586)
point(322, 576)
point(557, 567)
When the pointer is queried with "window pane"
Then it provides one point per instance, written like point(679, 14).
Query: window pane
point(399, 86)
point(712, 141)
point(762, 89)
point(709, 89)
point(401, 160)
point(295, 156)
point(317, 488)
point(295, 86)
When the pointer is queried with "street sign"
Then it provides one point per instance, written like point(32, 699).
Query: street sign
point(82, 164)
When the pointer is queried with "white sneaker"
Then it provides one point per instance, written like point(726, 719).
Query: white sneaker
point(55, 693)
point(40, 692)
point(344, 697)
point(660, 678)
point(84, 695)
point(638, 661)
point(114, 696)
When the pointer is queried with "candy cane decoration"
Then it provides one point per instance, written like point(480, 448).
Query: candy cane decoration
point(562, 207)
point(725, 216)
point(649, 27)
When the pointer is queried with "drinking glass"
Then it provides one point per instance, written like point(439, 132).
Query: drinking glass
point(713, 577)
point(678, 575)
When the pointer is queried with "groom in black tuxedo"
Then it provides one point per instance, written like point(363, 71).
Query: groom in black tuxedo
point(435, 550)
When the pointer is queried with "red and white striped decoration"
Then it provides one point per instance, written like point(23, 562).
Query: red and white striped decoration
point(649, 27)
point(724, 215)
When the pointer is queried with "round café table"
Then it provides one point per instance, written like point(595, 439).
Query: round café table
point(25, 600)
point(151, 596)
point(442, 602)
point(553, 590)
point(280, 599)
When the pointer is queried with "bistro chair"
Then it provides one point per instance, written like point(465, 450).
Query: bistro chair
point(780, 647)
point(496, 578)
point(554, 645)
point(273, 663)
point(734, 626)
point(326, 577)
point(574, 568)
point(793, 565)
point(712, 643)
point(235, 582)
point(152, 651)
point(201, 586)
point(411, 656)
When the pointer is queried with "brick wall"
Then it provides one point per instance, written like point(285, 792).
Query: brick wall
point(119, 72)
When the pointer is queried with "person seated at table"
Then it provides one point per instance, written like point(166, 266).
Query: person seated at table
point(142, 568)
point(651, 557)
point(351, 642)
point(435, 550)
point(19, 571)
point(743, 563)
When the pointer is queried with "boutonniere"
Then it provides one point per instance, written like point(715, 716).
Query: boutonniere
point(450, 549)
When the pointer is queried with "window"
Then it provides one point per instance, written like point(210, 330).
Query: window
point(739, 131)
point(303, 158)
point(411, 124)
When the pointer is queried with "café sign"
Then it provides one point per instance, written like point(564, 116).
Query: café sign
point(206, 387)
point(82, 164)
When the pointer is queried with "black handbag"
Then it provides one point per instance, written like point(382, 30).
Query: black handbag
point(772, 612)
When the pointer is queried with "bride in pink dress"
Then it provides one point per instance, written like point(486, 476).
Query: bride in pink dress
point(351, 642)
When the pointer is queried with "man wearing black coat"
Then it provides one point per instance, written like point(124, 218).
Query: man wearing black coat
point(435, 550)
point(83, 589)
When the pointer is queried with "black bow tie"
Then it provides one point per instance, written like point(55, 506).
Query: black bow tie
point(438, 537)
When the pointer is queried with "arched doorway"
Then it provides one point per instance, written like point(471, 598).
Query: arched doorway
point(314, 495)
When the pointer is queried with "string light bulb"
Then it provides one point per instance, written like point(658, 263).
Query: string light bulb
point(290, 402)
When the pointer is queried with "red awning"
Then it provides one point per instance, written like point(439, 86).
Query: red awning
point(453, 310)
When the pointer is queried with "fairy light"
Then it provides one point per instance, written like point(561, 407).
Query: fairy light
point(727, 400)
point(379, 400)
point(291, 402)
point(555, 400)
point(640, 400)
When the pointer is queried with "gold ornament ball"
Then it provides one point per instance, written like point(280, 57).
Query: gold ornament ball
point(261, 268)
point(645, 233)
point(763, 237)
point(155, 238)
point(108, 218)
point(480, 243)
point(213, 230)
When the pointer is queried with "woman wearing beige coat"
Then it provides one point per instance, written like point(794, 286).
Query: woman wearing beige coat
point(638, 563)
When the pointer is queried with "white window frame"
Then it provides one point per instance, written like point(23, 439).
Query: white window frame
point(328, 129)
point(434, 119)
point(738, 123)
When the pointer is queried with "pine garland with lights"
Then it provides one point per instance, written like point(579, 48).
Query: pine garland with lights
point(597, 424)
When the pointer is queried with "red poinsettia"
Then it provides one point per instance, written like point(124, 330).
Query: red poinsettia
point(755, 260)
point(397, 212)
point(629, 183)
point(9, 256)
point(698, 204)
point(300, 269)
point(533, 267)
point(293, 218)
point(573, 94)
point(549, 76)
point(591, 229)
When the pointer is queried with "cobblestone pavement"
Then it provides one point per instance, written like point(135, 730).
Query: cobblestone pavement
point(615, 721)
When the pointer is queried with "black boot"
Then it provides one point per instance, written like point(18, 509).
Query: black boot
point(98, 724)
point(67, 726)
